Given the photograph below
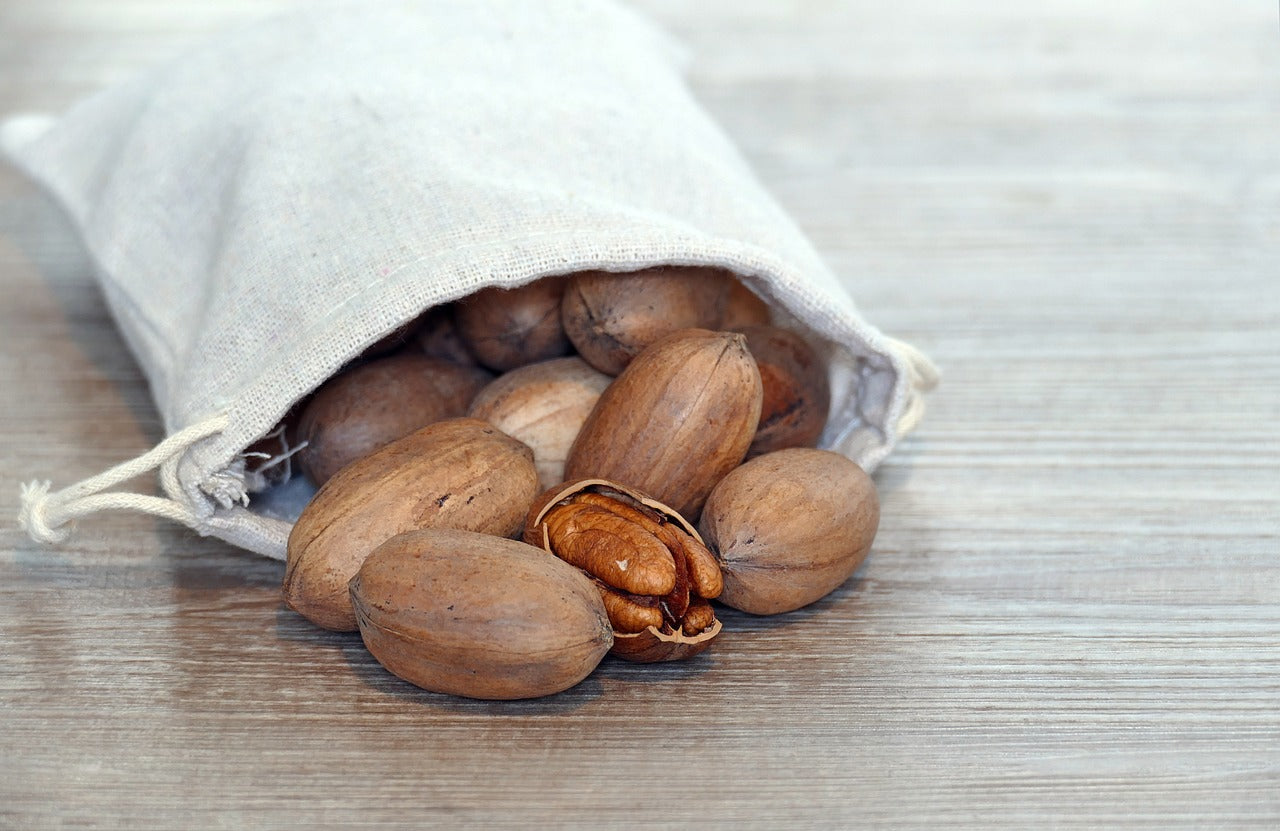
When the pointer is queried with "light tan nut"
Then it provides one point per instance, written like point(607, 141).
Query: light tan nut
point(677, 419)
point(789, 527)
point(460, 473)
point(543, 405)
point(479, 616)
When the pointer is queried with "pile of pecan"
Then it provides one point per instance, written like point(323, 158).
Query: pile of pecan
point(654, 431)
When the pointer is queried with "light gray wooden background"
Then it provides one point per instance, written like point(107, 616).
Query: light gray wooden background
point(1072, 614)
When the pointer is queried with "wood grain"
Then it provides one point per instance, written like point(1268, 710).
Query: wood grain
point(1071, 617)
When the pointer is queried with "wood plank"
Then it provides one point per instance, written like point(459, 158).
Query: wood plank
point(1071, 616)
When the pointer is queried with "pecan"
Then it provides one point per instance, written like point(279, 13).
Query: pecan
point(653, 571)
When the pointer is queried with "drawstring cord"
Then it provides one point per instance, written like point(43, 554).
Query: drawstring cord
point(922, 376)
point(45, 516)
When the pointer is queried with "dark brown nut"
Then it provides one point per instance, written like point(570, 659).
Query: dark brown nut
point(507, 328)
point(479, 616)
point(460, 473)
point(743, 308)
point(544, 406)
point(789, 527)
point(676, 420)
point(437, 336)
point(654, 573)
point(797, 392)
point(390, 342)
point(611, 317)
point(369, 405)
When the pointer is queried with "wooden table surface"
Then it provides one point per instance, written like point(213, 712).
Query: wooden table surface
point(1071, 616)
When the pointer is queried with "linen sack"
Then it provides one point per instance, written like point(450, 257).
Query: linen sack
point(265, 206)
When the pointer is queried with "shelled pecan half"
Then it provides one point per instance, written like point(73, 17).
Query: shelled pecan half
point(652, 569)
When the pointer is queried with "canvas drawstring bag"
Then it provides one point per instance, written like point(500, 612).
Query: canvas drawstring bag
point(264, 207)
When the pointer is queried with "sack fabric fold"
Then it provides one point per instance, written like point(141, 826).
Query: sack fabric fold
point(265, 206)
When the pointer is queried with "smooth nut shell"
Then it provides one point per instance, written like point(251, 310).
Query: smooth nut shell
point(436, 335)
point(507, 328)
point(677, 419)
point(460, 473)
point(369, 405)
point(743, 308)
point(797, 392)
point(611, 317)
point(479, 616)
point(543, 405)
point(789, 527)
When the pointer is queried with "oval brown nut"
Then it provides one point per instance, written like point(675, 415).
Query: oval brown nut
point(507, 328)
point(649, 564)
point(743, 308)
point(789, 527)
point(479, 616)
point(676, 420)
point(611, 317)
point(391, 342)
point(797, 392)
point(436, 334)
point(460, 473)
point(544, 406)
point(367, 406)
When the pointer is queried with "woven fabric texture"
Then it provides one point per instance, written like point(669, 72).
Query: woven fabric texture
point(263, 207)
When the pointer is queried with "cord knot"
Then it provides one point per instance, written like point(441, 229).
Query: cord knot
point(33, 514)
point(43, 515)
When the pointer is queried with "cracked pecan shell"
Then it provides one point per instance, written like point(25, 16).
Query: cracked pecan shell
point(654, 574)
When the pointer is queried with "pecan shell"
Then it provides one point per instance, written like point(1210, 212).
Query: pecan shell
point(507, 328)
point(373, 404)
point(477, 615)
point(460, 473)
point(676, 421)
point(789, 527)
point(610, 318)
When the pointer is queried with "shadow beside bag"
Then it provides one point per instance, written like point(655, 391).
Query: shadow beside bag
point(265, 207)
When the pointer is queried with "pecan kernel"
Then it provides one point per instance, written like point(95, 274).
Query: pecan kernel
point(650, 571)
point(612, 550)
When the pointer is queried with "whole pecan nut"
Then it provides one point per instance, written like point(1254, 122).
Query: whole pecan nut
point(654, 573)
